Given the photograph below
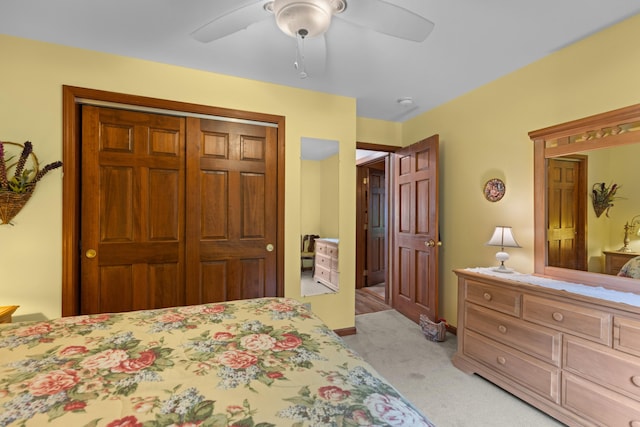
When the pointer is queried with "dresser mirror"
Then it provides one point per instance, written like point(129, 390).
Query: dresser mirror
point(319, 208)
point(595, 150)
point(607, 143)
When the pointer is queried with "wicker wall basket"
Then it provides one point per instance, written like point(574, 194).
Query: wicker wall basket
point(11, 203)
point(19, 174)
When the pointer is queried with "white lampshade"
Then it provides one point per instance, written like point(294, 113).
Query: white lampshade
point(503, 237)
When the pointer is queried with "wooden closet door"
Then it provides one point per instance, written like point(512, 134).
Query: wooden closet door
point(232, 191)
point(133, 210)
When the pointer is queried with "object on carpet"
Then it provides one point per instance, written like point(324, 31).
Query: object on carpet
point(433, 331)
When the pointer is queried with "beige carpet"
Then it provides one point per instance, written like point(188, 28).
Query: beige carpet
point(422, 371)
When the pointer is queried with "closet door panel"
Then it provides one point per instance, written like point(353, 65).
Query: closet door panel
point(232, 186)
point(133, 210)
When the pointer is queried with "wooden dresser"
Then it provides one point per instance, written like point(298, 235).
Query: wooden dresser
point(575, 357)
point(326, 263)
point(614, 260)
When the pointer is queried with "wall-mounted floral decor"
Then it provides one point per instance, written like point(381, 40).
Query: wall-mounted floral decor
point(19, 175)
point(603, 197)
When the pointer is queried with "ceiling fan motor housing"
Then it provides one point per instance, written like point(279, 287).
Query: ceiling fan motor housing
point(306, 18)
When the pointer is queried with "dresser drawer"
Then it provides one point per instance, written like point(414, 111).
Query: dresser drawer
point(321, 247)
point(584, 322)
point(323, 261)
point(332, 251)
point(543, 343)
point(537, 376)
point(597, 404)
point(614, 261)
point(322, 273)
point(334, 264)
point(616, 264)
point(622, 373)
point(626, 335)
point(499, 299)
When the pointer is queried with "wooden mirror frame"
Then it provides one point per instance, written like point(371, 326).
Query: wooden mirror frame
point(610, 129)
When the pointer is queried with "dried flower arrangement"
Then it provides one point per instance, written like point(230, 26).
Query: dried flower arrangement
point(15, 191)
point(603, 197)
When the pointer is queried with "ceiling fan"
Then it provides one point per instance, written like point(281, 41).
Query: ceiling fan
point(308, 19)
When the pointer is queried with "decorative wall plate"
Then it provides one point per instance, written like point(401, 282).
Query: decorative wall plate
point(494, 190)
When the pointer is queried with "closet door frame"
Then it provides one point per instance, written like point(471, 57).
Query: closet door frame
point(72, 100)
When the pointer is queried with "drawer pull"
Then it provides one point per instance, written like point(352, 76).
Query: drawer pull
point(635, 380)
point(502, 329)
point(501, 360)
point(558, 317)
point(487, 296)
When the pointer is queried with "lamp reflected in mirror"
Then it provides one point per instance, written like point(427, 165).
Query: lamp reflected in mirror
point(629, 228)
point(503, 237)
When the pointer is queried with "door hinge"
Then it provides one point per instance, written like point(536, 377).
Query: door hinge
point(364, 181)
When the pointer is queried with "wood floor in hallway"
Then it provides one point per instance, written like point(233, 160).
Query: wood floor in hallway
point(369, 302)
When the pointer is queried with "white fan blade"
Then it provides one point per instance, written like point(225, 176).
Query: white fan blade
point(231, 22)
point(313, 56)
point(387, 18)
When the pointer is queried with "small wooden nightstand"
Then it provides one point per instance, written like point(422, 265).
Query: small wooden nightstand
point(6, 311)
point(613, 260)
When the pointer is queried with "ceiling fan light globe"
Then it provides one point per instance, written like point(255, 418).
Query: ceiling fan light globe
point(294, 17)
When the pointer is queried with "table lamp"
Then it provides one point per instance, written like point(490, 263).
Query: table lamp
point(629, 227)
point(503, 237)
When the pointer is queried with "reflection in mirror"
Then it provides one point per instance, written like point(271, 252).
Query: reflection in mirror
point(577, 237)
point(319, 214)
point(594, 137)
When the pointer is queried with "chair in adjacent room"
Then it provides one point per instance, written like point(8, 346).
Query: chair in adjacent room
point(308, 251)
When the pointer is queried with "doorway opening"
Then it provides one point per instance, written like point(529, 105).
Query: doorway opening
point(372, 239)
point(408, 218)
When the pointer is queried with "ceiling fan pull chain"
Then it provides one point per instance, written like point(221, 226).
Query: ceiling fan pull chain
point(299, 62)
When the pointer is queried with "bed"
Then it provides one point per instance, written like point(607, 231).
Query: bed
point(261, 362)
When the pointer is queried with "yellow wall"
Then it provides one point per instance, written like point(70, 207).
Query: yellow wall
point(330, 208)
point(311, 203)
point(379, 131)
point(624, 172)
point(320, 210)
point(483, 134)
point(33, 74)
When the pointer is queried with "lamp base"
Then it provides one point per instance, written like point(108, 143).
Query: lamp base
point(502, 256)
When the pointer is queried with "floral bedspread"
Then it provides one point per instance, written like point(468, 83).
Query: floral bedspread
point(262, 362)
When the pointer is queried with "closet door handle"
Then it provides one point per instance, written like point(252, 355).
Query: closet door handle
point(91, 253)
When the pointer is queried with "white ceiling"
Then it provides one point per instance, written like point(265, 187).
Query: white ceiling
point(473, 43)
